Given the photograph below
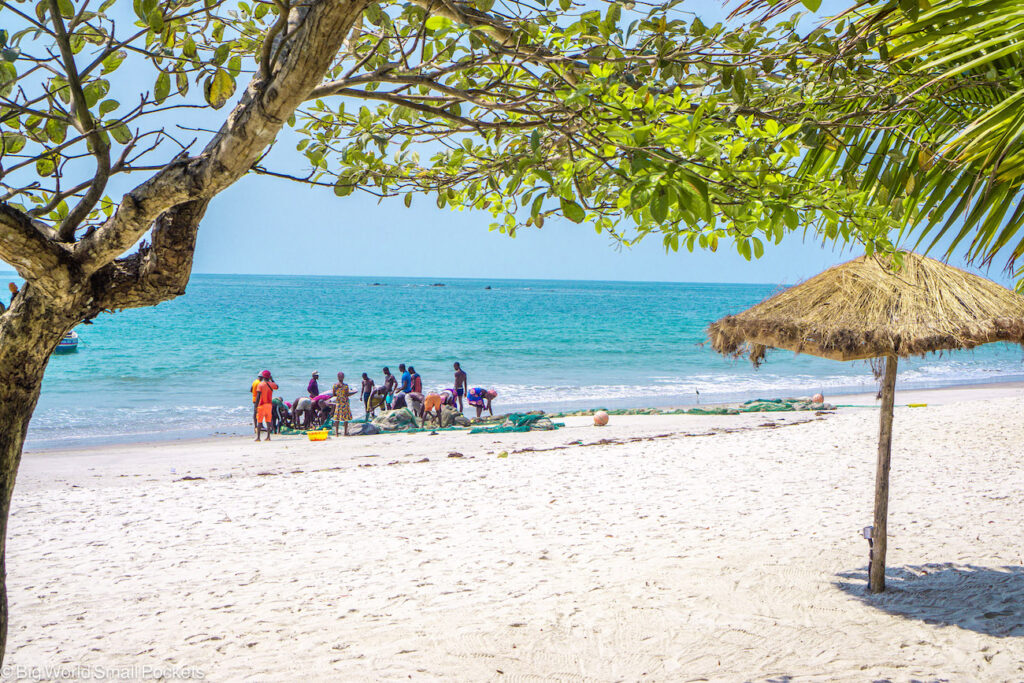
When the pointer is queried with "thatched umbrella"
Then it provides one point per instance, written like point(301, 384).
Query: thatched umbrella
point(865, 308)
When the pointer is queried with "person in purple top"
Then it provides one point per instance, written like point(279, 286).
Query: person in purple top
point(313, 388)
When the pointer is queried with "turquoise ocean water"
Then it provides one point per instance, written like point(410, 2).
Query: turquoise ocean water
point(184, 368)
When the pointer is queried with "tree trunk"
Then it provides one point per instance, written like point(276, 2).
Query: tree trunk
point(876, 573)
point(71, 281)
point(29, 332)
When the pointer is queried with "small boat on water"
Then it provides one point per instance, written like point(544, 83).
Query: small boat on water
point(69, 344)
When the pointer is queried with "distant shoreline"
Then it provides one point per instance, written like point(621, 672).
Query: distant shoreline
point(382, 279)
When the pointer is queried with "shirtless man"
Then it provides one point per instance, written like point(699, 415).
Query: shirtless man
point(461, 385)
point(389, 388)
point(366, 392)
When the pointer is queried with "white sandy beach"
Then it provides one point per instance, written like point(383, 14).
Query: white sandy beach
point(671, 548)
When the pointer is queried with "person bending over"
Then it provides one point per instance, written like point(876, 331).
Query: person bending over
point(303, 413)
point(323, 408)
point(378, 399)
point(481, 398)
point(432, 406)
point(280, 415)
point(414, 401)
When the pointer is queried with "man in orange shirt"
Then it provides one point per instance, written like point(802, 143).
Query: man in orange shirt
point(265, 403)
point(255, 398)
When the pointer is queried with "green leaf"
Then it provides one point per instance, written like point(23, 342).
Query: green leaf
point(107, 106)
point(221, 53)
point(343, 187)
point(219, 88)
point(113, 60)
point(758, 247)
point(572, 211)
point(13, 143)
point(56, 130)
point(408, 199)
point(812, 5)
point(791, 218)
point(121, 133)
point(743, 246)
point(45, 166)
point(659, 206)
point(436, 22)
point(8, 77)
point(155, 19)
point(538, 201)
point(162, 88)
point(95, 91)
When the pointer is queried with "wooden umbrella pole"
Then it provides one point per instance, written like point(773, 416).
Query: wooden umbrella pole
point(876, 580)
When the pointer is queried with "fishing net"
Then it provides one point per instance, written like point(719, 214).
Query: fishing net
point(398, 419)
point(778, 405)
point(519, 422)
point(757, 405)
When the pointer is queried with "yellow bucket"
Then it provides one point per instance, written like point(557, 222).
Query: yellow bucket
point(320, 435)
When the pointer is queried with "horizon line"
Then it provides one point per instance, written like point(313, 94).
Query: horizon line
point(482, 279)
point(497, 279)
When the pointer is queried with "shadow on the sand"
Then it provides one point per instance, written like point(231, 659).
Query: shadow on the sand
point(988, 600)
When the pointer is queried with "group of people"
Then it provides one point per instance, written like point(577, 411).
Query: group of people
point(314, 409)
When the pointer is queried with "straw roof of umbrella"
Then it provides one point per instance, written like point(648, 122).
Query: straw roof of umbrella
point(864, 309)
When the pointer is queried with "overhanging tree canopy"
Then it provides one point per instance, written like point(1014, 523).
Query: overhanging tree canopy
point(635, 122)
point(942, 143)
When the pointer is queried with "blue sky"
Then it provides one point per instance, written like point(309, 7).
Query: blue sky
point(262, 225)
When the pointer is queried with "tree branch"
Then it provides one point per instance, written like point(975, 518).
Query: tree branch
point(154, 273)
point(86, 125)
point(32, 252)
point(250, 128)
